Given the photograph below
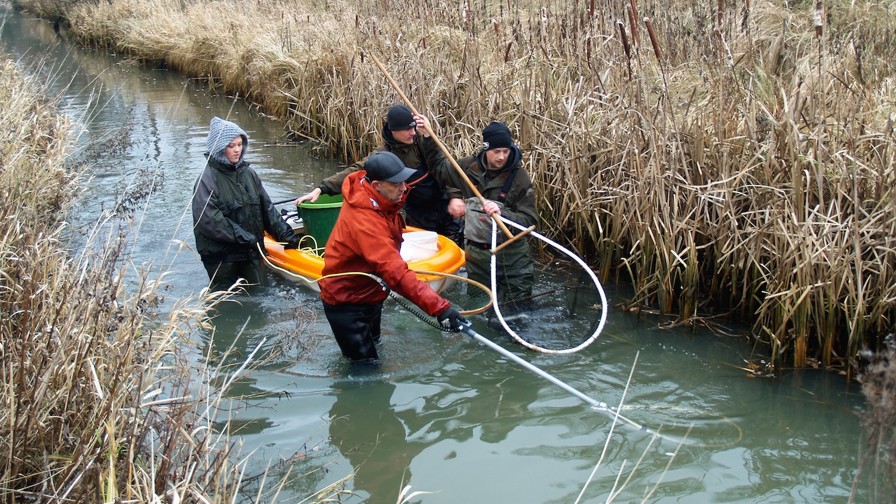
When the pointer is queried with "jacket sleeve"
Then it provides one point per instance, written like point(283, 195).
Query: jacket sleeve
point(332, 185)
point(208, 218)
point(440, 167)
point(520, 204)
point(389, 266)
point(273, 221)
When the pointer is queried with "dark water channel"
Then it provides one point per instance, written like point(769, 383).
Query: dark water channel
point(443, 414)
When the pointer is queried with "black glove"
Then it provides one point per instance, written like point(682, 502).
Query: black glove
point(451, 320)
point(291, 244)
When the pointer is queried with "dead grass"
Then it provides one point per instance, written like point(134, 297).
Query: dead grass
point(736, 161)
point(98, 399)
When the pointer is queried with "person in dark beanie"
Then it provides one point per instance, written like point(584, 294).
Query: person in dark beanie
point(500, 178)
point(496, 136)
point(366, 240)
point(400, 118)
point(427, 201)
point(231, 211)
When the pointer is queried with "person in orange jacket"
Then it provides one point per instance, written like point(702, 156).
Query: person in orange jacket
point(367, 239)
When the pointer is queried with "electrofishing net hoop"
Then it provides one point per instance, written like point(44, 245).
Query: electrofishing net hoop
point(494, 287)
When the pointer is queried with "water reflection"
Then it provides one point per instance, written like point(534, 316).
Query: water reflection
point(366, 430)
point(251, 334)
point(380, 427)
point(235, 332)
point(248, 335)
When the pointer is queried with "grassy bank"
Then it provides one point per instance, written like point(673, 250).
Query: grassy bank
point(98, 402)
point(728, 160)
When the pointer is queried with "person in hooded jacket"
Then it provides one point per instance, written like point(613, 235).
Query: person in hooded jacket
point(232, 211)
point(497, 173)
point(427, 201)
point(367, 239)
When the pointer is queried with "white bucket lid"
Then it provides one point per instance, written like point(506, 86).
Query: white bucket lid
point(419, 245)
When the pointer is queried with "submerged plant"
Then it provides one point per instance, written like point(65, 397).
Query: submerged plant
point(878, 465)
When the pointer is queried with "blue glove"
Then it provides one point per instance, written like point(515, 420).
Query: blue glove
point(452, 320)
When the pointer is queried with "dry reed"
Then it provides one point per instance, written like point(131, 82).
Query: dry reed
point(98, 401)
point(725, 159)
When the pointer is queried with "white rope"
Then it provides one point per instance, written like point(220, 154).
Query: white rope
point(567, 252)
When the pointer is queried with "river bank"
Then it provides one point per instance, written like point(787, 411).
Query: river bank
point(734, 162)
point(95, 388)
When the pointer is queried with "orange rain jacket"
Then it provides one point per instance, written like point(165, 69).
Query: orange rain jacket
point(367, 238)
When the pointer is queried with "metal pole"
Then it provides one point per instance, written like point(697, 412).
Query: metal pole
point(598, 405)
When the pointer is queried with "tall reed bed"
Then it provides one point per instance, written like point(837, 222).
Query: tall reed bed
point(97, 400)
point(726, 158)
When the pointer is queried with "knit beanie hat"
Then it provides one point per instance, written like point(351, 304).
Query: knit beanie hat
point(399, 118)
point(496, 136)
point(220, 134)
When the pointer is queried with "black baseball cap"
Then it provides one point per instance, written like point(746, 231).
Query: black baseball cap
point(385, 166)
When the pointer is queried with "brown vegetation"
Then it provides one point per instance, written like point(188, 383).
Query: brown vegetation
point(725, 158)
point(879, 460)
point(97, 400)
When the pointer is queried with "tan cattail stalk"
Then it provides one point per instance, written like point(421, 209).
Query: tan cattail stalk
point(654, 41)
point(818, 18)
point(633, 22)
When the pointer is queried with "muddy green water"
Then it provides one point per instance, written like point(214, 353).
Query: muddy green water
point(443, 414)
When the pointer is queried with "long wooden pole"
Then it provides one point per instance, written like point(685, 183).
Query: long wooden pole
point(442, 147)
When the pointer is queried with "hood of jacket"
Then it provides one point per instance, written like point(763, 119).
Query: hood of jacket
point(389, 140)
point(359, 192)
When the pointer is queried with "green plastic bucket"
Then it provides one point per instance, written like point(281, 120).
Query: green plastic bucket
point(319, 217)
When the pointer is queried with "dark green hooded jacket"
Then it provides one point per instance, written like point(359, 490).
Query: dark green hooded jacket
point(231, 209)
point(518, 202)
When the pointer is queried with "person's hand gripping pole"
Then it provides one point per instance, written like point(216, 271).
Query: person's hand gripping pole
point(441, 146)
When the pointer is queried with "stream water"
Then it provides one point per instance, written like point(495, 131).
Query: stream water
point(443, 413)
